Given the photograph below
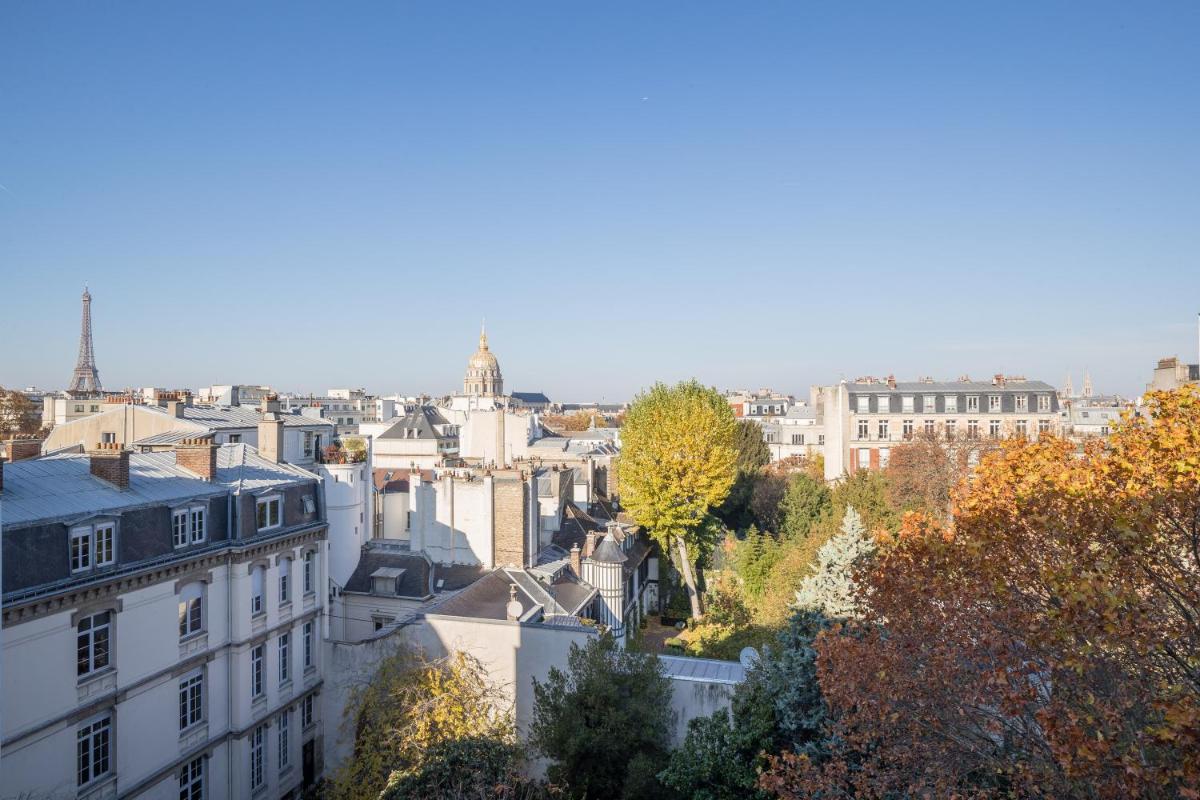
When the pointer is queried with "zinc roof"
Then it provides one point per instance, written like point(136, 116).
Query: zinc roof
point(705, 670)
point(62, 486)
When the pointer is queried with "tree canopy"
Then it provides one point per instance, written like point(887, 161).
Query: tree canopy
point(601, 718)
point(1044, 642)
point(678, 461)
point(831, 588)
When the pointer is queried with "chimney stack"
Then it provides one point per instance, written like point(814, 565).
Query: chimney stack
point(891, 379)
point(110, 462)
point(589, 544)
point(23, 445)
point(270, 430)
point(175, 408)
point(198, 455)
point(576, 561)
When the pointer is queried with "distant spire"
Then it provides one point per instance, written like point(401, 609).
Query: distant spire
point(1087, 384)
point(1068, 389)
point(483, 334)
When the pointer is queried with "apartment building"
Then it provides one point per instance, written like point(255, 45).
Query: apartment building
point(863, 420)
point(162, 621)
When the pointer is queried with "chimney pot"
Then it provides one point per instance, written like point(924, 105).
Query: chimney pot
point(23, 445)
point(199, 455)
point(589, 543)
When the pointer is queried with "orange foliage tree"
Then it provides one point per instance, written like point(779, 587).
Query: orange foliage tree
point(1045, 642)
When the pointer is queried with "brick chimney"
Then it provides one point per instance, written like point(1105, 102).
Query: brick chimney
point(110, 462)
point(23, 445)
point(270, 430)
point(589, 544)
point(891, 379)
point(199, 455)
point(576, 561)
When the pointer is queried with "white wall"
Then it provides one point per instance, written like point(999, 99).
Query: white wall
point(347, 508)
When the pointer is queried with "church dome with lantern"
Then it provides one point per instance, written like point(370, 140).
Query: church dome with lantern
point(483, 378)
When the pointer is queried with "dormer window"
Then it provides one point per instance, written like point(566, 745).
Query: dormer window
point(268, 512)
point(189, 525)
point(386, 581)
point(93, 546)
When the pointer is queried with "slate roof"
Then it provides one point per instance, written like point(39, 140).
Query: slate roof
point(421, 420)
point(416, 583)
point(969, 387)
point(62, 486)
point(226, 417)
point(488, 597)
point(530, 397)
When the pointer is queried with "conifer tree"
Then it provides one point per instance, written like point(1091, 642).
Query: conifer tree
point(830, 589)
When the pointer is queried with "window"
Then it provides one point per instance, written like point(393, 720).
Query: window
point(972, 429)
point(864, 404)
point(191, 780)
point(1022, 427)
point(820, 438)
point(285, 577)
point(797, 438)
point(93, 756)
point(884, 454)
point(191, 610)
point(1043, 402)
point(1043, 426)
point(199, 525)
point(1022, 401)
point(306, 712)
point(885, 404)
point(256, 670)
point(994, 428)
point(235, 438)
point(108, 438)
point(883, 429)
point(257, 578)
point(973, 402)
point(284, 667)
point(93, 546)
point(951, 401)
point(92, 642)
point(283, 739)
point(906, 428)
point(81, 549)
point(993, 402)
point(930, 427)
point(951, 428)
point(256, 756)
point(179, 527)
point(308, 444)
point(79, 408)
point(378, 622)
point(268, 513)
point(906, 404)
point(310, 505)
point(929, 403)
point(863, 431)
point(191, 701)
point(308, 644)
point(309, 566)
point(1104, 430)
point(864, 457)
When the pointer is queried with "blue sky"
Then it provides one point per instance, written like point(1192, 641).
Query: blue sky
point(317, 195)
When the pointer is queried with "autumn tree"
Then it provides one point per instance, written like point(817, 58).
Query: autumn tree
point(1044, 642)
point(17, 414)
point(604, 721)
point(678, 461)
point(411, 710)
point(924, 471)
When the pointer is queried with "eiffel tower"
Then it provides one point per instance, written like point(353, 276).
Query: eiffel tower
point(86, 377)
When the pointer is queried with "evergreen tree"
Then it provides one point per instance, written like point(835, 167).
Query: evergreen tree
point(830, 589)
point(806, 502)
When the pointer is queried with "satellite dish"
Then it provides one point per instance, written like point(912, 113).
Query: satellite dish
point(749, 657)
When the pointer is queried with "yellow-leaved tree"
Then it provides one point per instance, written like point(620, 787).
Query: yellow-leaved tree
point(678, 461)
point(411, 708)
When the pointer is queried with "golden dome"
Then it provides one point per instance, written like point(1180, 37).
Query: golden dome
point(483, 358)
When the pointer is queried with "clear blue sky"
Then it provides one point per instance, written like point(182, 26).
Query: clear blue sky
point(750, 193)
